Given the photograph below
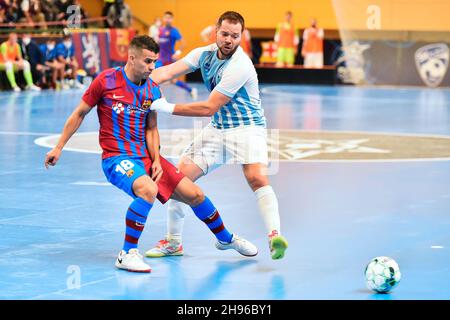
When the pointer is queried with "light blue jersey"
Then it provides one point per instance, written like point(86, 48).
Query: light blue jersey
point(236, 78)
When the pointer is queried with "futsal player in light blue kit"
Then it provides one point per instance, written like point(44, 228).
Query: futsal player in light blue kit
point(237, 125)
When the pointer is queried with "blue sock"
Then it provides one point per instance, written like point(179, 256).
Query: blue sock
point(206, 212)
point(135, 220)
point(183, 85)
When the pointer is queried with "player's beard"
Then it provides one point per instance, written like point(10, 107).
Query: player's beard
point(230, 53)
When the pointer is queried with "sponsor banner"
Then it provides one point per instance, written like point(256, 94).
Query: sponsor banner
point(269, 52)
point(91, 51)
point(432, 63)
point(394, 63)
point(119, 41)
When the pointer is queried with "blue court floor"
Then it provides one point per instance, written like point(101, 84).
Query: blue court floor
point(61, 229)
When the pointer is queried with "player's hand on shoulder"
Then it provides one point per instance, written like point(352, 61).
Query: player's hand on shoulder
point(52, 157)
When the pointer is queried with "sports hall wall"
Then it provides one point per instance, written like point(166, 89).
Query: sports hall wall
point(399, 50)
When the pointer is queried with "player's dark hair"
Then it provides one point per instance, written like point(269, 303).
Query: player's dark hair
point(144, 42)
point(233, 17)
point(170, 13)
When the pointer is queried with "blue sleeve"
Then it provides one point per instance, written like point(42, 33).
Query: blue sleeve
point(43, 49)
point(176, 35)
point(36, 54)
point(60, 50)
point(156, 91)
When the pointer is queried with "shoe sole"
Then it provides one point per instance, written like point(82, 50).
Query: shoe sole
point(245, 255)
point(279, 245)
point(160, 255)
point(137, 271)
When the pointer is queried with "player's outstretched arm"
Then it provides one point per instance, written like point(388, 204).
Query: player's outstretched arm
point(153, 141)
point(196, 109)
point(71, 126)
point(169, 72)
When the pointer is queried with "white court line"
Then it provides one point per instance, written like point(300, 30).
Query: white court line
point(43, 142)
point(437, 247)
point(65, 290)
point(307, 94)
point(91, 183)
point(24, 133)
point(35, 214)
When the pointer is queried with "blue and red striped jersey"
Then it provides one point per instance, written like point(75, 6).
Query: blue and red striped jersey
point(168, 36)
point(122, 108)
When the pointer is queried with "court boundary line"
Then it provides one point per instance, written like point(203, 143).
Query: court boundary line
point(43, 143)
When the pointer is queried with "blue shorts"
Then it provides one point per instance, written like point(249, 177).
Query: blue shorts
point(123, 170)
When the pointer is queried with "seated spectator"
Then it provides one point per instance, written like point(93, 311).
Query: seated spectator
point(49, 10)
point(12, 11)
point(49, 59)
point(66, 55)
point(32, 53)
point(82, 14)
point(3, 8)
point(11, 60)
point(119, 15)
point(62, 6)
point(106, 5)
point(32, 13)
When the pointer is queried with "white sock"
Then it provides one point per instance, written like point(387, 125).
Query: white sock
point(268, 207)
point(175, 219)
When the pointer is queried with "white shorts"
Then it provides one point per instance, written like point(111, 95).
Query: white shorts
point(313, 60)
point(215, 147)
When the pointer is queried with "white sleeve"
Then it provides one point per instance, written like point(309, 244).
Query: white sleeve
point(321, 33)
point(305, 34)
point(233, 78)
point(192, 59)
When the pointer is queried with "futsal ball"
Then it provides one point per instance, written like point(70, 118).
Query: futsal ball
point(382, 274)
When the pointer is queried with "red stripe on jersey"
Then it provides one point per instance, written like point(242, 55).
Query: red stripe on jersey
point(122, 135)
point(137, 134)
point(142, 120)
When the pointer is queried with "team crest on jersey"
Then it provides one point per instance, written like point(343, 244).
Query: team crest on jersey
point(432, 63)
point(130, 173)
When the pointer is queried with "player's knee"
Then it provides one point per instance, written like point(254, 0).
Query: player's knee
point(197, 197)
point(256, 181)
point(147, 191)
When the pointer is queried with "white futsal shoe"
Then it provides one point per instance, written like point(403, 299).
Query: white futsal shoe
point(165, 248)
point(132, 261)
point(244, 247)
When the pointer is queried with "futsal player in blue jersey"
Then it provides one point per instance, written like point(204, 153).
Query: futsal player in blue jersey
point(167, 38)
point(131, 161)
point(237, 125)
